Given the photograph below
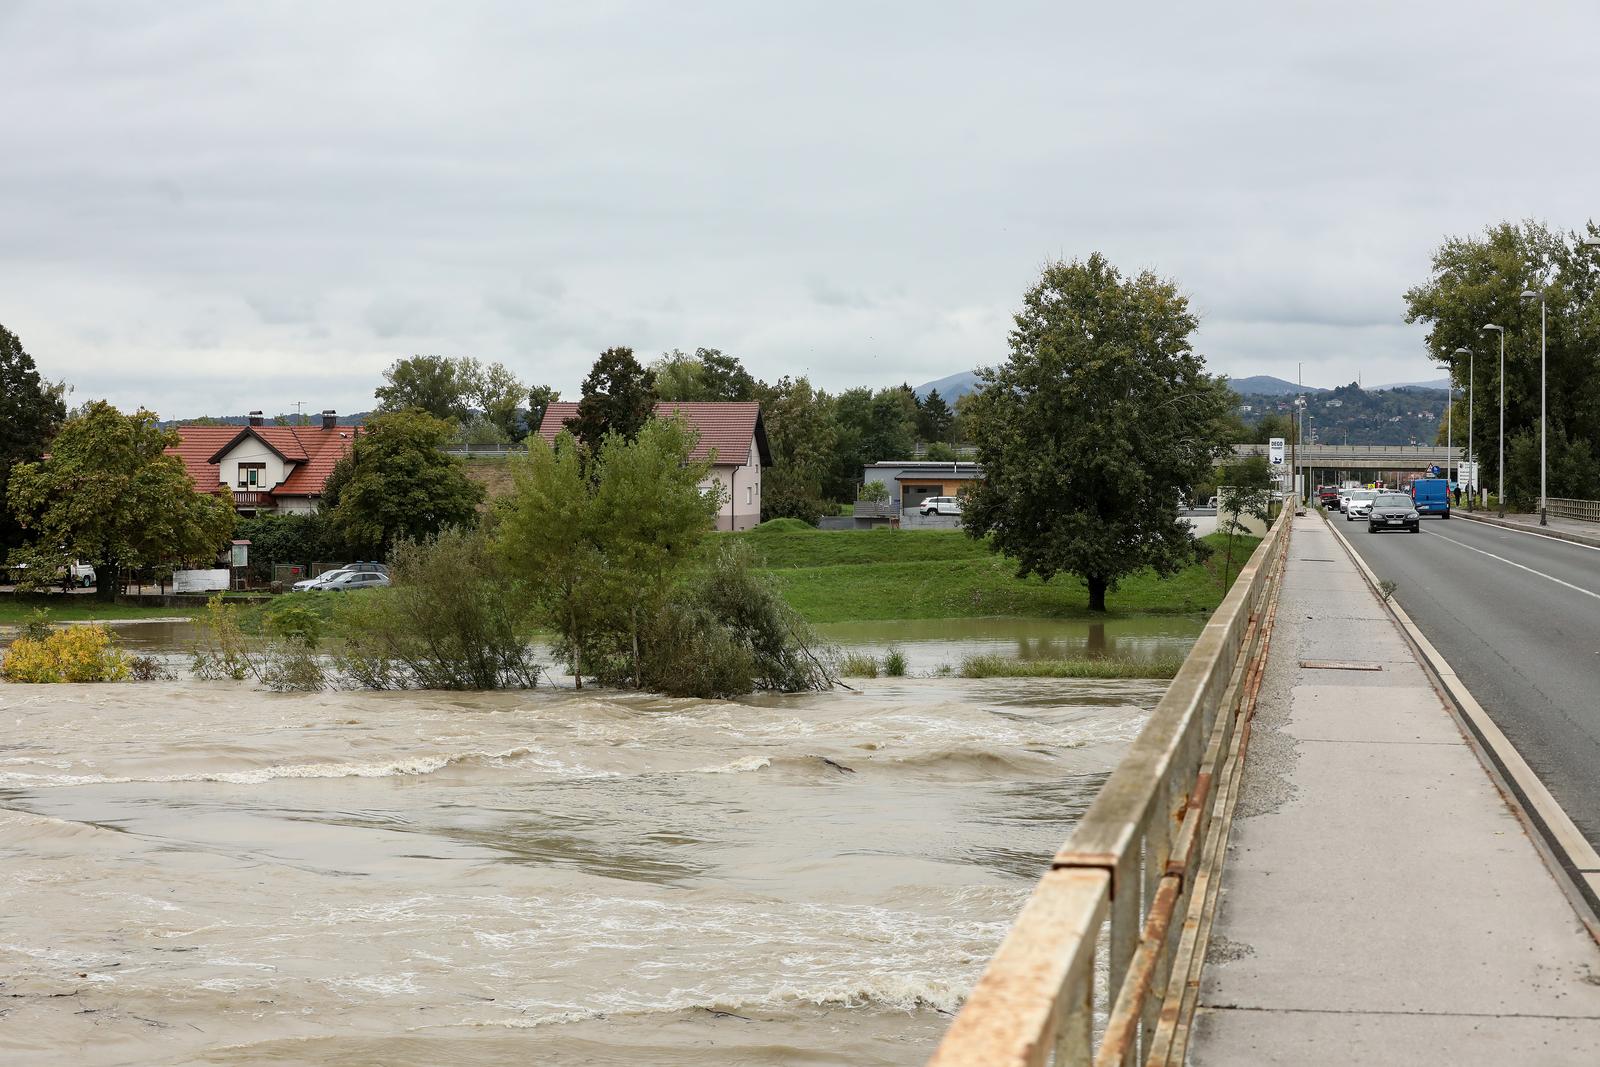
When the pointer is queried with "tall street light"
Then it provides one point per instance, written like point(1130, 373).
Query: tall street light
point(1529, 294)
point(1450, 409)
point(1501, 491)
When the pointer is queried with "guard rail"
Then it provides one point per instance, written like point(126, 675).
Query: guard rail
point(1129, 886)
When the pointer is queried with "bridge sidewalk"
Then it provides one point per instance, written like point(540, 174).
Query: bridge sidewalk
point(1380, 902)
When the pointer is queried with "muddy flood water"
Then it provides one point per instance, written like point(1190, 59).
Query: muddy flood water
point(206, 873)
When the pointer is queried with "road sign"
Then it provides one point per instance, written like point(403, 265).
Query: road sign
point(1433, 470)
point(1275, 451)
point(1467, 475)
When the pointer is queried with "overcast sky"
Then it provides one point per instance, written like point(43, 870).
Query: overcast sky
point(211, 207)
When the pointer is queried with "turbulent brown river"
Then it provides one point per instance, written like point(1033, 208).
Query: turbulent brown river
point(205, 873)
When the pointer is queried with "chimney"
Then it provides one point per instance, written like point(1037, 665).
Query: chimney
point(256, 418)
point(330, 419)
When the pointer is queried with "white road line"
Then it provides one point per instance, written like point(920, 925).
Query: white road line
point(1540, 536)
point(1519, 566)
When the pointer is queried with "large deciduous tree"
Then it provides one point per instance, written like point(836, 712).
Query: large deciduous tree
point(398, 482)
point(1102, 414)
point(708, 375)
point(618, 398)
point(108, 494)
point(31, 410)
point(802, 436)
point(1479, 280)
point(439, 385)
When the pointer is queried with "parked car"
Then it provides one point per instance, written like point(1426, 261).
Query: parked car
point(355, 580)
point(1214, 503)
point(1392, 511)
point(941, 505)
point(76, 573)
point(368, 568)
point(319, 580)
point(1359, 505)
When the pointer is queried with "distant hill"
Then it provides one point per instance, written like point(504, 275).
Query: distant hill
point(1437, 383)
point(951, 386)
point(1267, 385)
point(1357, 416)
point(312, 418)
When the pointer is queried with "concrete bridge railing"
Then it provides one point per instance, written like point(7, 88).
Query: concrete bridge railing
point(1581, 510)
point(1122, 890)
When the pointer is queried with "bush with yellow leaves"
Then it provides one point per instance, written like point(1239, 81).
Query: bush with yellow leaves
point(74, 654)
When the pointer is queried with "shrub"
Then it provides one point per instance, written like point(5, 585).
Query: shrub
point(37, 627)
point(149, 669)
point(294, 622)
point(291, 665)
point(894, 663)
point(221, 651)
point(451, 620)
point(75, 654)
point(856, 665)
point(725, 633)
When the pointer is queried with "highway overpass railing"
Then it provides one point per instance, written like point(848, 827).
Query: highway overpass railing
point(1582, 510)
point(1102, 964)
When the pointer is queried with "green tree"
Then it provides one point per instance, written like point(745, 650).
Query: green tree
point(1478, 280)
point(31, 410)
point(801, 435)
point(1245, 492)
point(654, 514)
point(398, 482)
point(499, 395)
point(439, 385)
point(708, 375)
point(618, 398)
point(549, 536)
point(109, 494)
point(1102, 414)
point(935, 420)
point(540, 397)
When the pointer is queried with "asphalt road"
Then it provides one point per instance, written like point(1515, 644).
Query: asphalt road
point(1518, 617)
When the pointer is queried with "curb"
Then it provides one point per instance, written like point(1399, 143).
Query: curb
point(1567, 854)
point(1522, 527)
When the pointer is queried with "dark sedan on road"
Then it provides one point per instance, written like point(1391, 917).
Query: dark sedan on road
point(1393, 511)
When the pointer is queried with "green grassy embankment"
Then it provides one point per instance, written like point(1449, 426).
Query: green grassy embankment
point(15, 610)
point(859, 575)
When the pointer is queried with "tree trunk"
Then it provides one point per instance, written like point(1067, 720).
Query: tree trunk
point(105, 582)
point(1097, 592)
point(577, 648)
point(635, 615)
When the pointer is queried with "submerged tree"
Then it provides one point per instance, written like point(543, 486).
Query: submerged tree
point(1102, 414)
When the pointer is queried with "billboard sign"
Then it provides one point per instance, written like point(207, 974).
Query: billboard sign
point(1275, 451)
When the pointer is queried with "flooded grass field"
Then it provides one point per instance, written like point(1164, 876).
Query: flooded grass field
point(205, 873)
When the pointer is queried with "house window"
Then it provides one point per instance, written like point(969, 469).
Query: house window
point(252, 475)
point(749, 494)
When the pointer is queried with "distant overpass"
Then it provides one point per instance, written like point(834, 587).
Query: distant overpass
point(1332, 463)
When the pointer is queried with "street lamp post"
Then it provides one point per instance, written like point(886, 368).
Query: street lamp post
point(1501, 491)
point(1529, 294)
point(1449, 414)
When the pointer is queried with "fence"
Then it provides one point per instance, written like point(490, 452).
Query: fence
point(1582, 510)
point(1129, 883)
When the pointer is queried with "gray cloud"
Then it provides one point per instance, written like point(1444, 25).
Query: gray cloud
point(214, 207)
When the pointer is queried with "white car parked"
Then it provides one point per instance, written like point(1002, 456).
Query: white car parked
point(941, 505)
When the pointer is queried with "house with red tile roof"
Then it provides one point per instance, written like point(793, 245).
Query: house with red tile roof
point(272, 470)
point(732, 437)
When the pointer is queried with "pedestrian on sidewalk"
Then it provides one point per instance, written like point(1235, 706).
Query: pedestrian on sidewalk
point(1458, 494)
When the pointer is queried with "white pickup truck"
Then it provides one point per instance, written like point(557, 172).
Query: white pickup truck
point(81, 574)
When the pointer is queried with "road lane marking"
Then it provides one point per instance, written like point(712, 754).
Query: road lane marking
point(1519, 566)
point(1533, 533)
